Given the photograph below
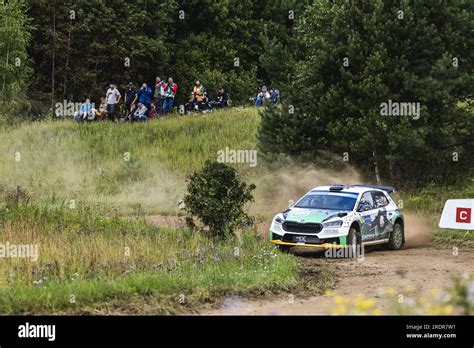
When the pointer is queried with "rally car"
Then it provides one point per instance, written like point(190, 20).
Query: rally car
point(341, 216)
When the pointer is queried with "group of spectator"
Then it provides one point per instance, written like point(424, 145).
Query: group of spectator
point(265, 96)
point(146, 103)
point(139, 104)
point(200, 100)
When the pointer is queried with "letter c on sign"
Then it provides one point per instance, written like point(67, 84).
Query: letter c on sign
point(463, 215)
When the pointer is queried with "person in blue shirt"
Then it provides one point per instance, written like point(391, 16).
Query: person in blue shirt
point(85, 111)
point(144, 95)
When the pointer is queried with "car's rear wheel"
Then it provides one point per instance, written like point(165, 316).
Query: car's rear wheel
point(397, 236)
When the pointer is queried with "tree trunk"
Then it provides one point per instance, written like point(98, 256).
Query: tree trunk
point(53, 67)
point(376, 168)
point(67, 60)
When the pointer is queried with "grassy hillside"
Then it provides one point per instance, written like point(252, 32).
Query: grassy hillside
point(118, 166)
point(123, 167)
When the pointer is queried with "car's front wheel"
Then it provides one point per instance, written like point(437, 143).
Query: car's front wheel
point(395, 241)
point(353, 240)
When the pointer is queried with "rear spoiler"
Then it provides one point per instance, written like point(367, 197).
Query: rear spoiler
point(388, 189)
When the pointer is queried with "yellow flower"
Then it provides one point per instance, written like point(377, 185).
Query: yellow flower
point(434, 292)
point(391, 291)
point(339, 300)
point(433, 310)
point(410, 288)
point(328, 293)
point(365, 304)
point(447, 310)
point(377, 311)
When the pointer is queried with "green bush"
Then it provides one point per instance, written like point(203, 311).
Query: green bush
point(216, 198)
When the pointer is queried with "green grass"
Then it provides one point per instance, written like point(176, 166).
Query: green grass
point(430, 201)
point(118, 166)
point(99, 260)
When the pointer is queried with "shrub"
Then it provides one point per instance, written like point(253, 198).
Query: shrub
point(216, 198)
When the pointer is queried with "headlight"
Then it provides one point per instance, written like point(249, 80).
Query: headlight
point(277, 224)
point(332, 224)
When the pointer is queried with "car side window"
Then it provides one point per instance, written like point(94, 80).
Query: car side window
point(366, 202)
point(380, 200)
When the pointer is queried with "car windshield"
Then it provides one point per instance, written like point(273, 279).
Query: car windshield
point(329, 200)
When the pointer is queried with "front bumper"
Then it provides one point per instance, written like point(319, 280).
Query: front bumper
point(307, 245)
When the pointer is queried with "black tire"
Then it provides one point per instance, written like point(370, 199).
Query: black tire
point(354, 240)
point(284, 248)
point(397, 237)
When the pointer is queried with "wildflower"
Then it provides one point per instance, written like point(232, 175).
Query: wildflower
point(434, 292)
point(377, 311)
point(328, 293)
point(447, 310)
point(339, 300)
point(365, 304)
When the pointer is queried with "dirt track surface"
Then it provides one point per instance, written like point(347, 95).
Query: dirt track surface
point(419, 266)
point(423, 268)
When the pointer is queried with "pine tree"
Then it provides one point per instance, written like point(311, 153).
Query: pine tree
point(362, 54)
point(14, 64)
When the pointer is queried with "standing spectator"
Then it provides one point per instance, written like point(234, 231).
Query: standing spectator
point(144, 95)
point(262, 97)
point(159, 95)
point(130, 96)
point(112, 98)
point(170, 92)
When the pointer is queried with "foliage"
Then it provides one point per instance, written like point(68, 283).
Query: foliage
point(14, 62)
point(361, 54)
point(216, 197)
point(114, 261)
point(80, 46)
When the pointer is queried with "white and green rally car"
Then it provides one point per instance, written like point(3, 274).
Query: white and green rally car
point(339, 216)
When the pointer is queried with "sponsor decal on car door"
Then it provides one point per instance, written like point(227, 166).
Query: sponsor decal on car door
point(366, 210)
point(381, 224)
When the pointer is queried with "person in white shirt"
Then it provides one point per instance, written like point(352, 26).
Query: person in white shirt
point(112, 97)
point(140, 112)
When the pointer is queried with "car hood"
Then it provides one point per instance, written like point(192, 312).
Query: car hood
point(310, 215)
